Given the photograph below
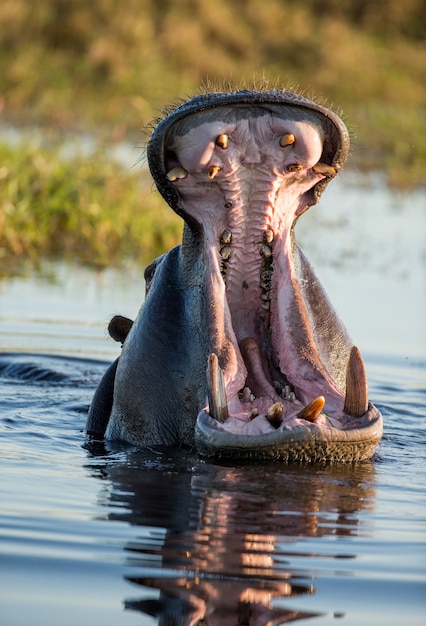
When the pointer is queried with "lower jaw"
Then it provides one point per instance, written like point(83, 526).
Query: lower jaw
point(287, 430)
point(301, 442)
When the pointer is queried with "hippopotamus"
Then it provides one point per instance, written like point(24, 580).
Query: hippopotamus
point(236, 349)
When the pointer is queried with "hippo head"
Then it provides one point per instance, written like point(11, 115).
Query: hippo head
point(237, 349)
point(282, 378)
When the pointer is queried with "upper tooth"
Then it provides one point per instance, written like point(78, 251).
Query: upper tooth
point(323, 168)
point(294, 167)
point(287, 140)
point(356, 397)
point(226, 236)
point(268, 235)
point(176, 172)
point(225, 252)
point(222, 141)
point(265, 250)
point(213, 170)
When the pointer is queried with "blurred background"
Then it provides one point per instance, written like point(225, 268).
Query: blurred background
point(79, 82)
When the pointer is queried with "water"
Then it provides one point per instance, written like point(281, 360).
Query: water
point(108, 535)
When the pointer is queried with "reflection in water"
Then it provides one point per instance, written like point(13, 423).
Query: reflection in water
point(218, 542)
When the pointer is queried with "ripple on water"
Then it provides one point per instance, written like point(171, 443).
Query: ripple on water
point(115, 526)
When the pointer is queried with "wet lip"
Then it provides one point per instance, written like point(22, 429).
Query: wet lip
point(303, 442)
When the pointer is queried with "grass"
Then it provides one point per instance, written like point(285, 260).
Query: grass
point(84, 208)
point(106, 69)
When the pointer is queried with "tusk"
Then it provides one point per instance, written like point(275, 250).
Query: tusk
point(222, 141)
point(287, 140)
point(323, 168)
point(216, 390)
point(311, 411)
point(213, 170)
point(176, 172)
point(274, 414)
point(356, 397)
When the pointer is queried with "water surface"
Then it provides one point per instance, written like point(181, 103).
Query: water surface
point(116, 535)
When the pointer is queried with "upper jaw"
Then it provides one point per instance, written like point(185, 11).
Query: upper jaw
point(336, 146)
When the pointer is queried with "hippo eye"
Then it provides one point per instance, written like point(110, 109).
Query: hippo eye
point(222, 141)
point(287, 140)
point(294, 167)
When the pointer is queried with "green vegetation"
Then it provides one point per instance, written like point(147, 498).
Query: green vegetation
point(82, 208)
point(106, 68)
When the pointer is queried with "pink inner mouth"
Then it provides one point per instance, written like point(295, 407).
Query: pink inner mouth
point(245, 176)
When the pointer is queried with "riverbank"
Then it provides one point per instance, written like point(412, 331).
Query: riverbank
point(75, 202)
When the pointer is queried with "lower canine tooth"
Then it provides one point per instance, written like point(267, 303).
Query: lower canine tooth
point(216, 390)
point(356, 397)
point(311, 411)
point(275, 413)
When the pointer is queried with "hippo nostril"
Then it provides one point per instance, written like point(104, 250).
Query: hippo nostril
point(294, 167)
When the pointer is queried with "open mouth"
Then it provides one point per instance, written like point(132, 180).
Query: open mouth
point(281, 367)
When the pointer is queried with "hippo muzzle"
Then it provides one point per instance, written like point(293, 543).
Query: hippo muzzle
point(237, 348)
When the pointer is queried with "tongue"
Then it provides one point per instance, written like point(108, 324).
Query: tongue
point(256, 378)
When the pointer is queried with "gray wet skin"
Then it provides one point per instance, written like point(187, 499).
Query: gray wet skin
point(237, 348)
